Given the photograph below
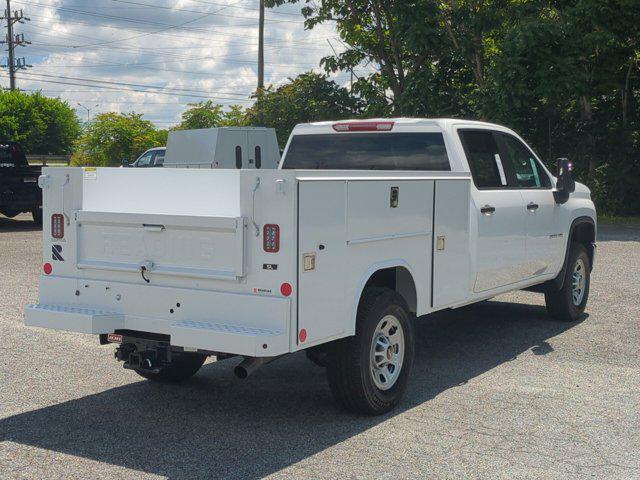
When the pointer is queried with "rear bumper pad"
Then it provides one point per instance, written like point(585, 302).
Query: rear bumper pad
point(236, 339)
point(72, 319)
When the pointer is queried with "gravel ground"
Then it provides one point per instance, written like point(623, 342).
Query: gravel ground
point(498, 391)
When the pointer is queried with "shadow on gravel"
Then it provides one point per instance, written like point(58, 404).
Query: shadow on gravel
point(17, 225)
point(215, 426)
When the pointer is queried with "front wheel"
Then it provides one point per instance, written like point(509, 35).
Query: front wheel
point(368, 373)
point(568, 303)
point(182, 366)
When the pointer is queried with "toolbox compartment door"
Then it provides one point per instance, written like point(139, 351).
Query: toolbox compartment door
point(178, 245)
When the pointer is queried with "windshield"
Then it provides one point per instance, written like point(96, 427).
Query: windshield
point(368, 151)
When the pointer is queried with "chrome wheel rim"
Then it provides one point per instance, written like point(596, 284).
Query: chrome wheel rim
point(578, 282)
point(387, 352)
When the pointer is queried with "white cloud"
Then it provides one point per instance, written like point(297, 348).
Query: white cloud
point(190, 48)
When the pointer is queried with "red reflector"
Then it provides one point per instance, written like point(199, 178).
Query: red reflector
point(286, 289)
point(57, 225)
point(114, 338)
point(47, 268)
point(271, 238)
point(302, 335)
point(363, 126)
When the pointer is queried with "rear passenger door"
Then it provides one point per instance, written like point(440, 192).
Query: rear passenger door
point(499, 214)
point(544, 243)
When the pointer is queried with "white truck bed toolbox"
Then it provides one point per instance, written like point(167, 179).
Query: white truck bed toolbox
point(73, 319)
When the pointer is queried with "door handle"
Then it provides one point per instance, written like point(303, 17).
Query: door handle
point(532, 206)
point(487, 210)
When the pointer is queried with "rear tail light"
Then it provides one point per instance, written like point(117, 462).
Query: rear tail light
point(271, 238)
point(57, 225)
point(363, 126)
point(47, 268)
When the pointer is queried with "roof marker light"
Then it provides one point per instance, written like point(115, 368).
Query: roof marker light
point(363, 126)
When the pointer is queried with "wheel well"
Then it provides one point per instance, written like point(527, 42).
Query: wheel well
point(398, 279)
point(585, 234)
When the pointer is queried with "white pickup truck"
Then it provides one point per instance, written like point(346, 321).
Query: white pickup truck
point(365, 226)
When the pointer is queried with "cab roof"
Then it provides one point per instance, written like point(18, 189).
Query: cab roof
point(442, 123)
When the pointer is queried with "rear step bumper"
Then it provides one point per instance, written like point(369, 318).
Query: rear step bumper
point(246, 341)
point(72, 319)
point(239, 324)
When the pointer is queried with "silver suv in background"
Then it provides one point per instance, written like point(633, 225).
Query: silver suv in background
point(154, 157)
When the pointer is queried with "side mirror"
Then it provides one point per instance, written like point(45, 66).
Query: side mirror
point(125, 162)
point(565, 185)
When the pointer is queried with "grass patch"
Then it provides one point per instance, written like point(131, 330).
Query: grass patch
point(615, 220)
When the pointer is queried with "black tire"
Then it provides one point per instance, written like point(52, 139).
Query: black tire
point(317, 355)
point(183, 366)
point(349, 364)
point(36, 213)
point(560, 301)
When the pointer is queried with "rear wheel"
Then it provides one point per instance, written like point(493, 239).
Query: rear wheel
point(568, 303)
point(368, 373)
point(182, 366)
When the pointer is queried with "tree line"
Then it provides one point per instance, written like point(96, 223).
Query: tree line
point(562, 73)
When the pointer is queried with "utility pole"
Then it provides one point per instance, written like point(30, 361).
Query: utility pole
point(88, 109)
point(261, 48)
point(14, 41)
point(260, 90)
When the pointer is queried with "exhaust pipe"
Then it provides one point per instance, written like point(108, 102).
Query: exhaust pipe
point(251, 364)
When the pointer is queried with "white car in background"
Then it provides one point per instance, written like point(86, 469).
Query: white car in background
point(154, 157)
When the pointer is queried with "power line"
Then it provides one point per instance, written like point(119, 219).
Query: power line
point(129, 19)
point(158, 92)
point(138, 85)
point(130, 2)
point(307, 43)
point(157, 31)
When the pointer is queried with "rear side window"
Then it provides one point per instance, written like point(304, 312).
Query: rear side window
point(368, 151)
point(484, 159)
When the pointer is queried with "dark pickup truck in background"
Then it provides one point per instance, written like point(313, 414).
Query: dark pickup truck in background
point(19, 191)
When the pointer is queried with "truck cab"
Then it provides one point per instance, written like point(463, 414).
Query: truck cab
point(365, 227)
point(19, 190)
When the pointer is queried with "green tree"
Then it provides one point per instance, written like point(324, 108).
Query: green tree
point(40, 124)
point(210, 115)
point(564, 73)
point(309, 97)
point(112, 137)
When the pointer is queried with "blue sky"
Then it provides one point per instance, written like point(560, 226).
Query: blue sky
point(191, 49)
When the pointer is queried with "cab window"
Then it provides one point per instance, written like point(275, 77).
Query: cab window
point(484, 159)
point(527, 172)
point(368, 151)
point(144, 160)
point(158, 160)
